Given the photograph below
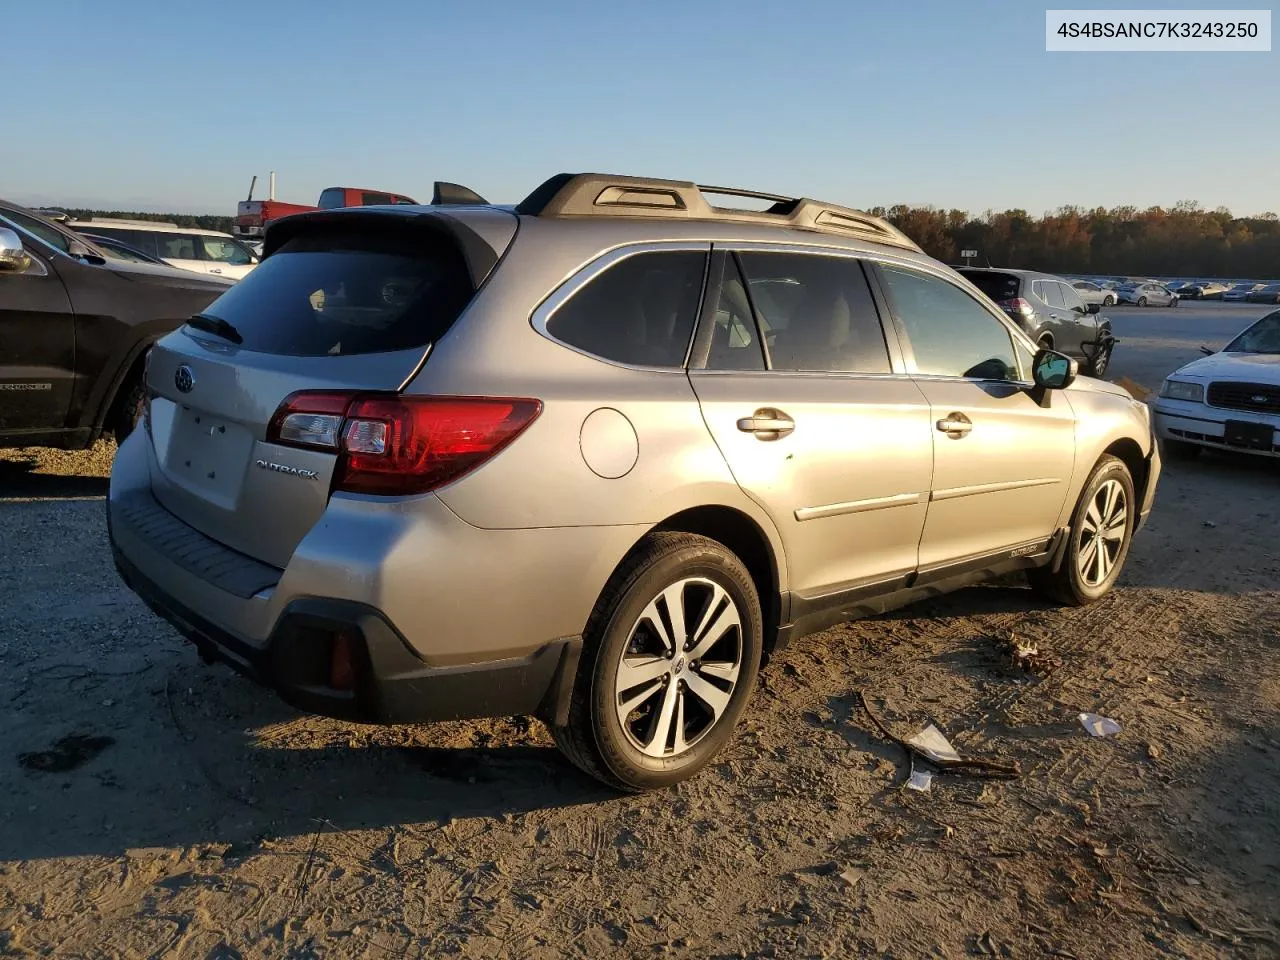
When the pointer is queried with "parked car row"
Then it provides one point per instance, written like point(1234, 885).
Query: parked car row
point(1157, 292)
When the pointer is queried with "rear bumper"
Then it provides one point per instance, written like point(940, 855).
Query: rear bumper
point(390, 684)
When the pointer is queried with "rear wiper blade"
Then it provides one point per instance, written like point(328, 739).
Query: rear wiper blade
point(206, 321)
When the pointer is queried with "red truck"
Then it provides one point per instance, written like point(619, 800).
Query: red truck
point(252, 216)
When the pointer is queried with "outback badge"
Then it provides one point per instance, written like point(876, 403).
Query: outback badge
point(285, 468)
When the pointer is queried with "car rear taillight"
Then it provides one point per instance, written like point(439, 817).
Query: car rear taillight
point(1019, 305)
point(392, 444)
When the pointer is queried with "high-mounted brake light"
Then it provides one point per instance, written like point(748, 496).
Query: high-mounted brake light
point(393, 444)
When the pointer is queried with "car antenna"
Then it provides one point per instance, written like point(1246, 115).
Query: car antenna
point(252, 183)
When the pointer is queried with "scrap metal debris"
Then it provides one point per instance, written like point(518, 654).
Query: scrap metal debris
point(1025, 655)
point(1097, 726)
point(927, 749)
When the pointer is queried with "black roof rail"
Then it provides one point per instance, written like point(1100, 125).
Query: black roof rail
point(609, 195)
point(445, 193)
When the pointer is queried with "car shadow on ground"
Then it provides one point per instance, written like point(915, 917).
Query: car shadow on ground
point(20, 481)
point(208, 764)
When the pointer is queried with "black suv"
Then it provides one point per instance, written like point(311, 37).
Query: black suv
point(75, 327)
point(1051, 312)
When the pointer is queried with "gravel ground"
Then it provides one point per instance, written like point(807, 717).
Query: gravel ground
point(152, 806)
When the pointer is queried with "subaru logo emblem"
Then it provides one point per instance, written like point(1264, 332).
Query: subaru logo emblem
point(1259, 398)
point(184, 379)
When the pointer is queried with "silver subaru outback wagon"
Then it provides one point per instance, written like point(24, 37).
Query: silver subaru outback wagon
point(597, 456)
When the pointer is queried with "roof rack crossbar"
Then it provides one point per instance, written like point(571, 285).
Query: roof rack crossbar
point(605, 195)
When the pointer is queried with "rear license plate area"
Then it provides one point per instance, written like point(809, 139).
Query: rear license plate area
point(207, 454)
point(1250, 436)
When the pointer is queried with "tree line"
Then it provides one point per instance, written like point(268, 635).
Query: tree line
point(201, 221)
point(1184, 241)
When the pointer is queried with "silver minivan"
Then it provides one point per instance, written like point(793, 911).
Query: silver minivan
point(598, 456)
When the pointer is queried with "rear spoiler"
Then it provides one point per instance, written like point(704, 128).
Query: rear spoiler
point(481, 252)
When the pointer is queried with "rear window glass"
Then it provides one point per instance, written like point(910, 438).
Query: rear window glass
point(342, 294)
point(639, 311)
point(997, 286)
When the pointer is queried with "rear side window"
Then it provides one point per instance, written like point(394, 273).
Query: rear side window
point(1051, 293)
point(338, 294)
point(639, 311)
point(374, 199)
point(816, 313)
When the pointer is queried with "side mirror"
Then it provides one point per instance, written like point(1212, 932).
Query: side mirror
point(1053, 370)
point(1093, 307)
point(13, 258)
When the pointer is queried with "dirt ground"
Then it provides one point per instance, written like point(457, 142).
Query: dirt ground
point(152, 806)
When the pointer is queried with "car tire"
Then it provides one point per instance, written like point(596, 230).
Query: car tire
point(1045, 342)
point(128, 411)
point(1098, 365)
point(1180, 450)
point(1142, 301)
point(1093, 559)
point(632, 737)
point(1108, 301)
point(1173, 301)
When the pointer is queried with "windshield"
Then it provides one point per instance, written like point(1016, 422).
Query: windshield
point(1262, 337)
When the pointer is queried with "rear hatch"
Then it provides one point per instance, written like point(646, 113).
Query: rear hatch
point(343, 303)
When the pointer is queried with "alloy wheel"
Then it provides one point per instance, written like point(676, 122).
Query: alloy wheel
point(1102, 533)
point(679, 668)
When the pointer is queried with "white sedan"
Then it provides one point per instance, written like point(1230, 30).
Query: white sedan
point(1228, 400)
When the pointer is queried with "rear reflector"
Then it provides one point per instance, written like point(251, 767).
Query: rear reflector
point(392, 444)
point(342, 674)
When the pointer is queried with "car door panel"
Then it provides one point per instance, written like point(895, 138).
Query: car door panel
point(37, 346)
point(1002, 484)
point(841, 461)
point(1079, 324)
point(1002, 462)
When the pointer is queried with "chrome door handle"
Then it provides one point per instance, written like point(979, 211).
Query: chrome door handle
point(955, 425)
point(767, 423)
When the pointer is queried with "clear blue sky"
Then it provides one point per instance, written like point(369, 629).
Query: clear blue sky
point(166, 105)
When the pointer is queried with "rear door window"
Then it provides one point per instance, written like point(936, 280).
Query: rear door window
point(640, 311)
point(816, 312)
point(177, 246)
point(342, 293)
point(735, 339)
point(370, 199)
